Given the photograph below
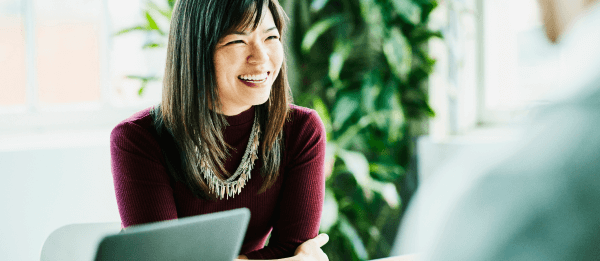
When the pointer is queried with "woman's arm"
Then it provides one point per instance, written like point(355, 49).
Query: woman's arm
point(141, 182)
point(300, 201)
point(307, 251)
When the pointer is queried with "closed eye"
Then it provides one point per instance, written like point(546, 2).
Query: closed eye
point(235, 42)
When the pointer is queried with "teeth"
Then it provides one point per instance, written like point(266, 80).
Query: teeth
point(258, 77)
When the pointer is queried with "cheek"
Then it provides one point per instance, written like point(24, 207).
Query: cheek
point(277, 57)
point(219, 65)
point(224, 61)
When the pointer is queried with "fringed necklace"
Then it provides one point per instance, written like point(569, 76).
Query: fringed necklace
point(234, 184)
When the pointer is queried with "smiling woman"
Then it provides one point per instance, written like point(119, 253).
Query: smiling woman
point(226, 107)
point(247, 64)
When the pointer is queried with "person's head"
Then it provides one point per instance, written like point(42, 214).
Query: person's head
point(223, 57)
point(558, 15)
point(247, 60)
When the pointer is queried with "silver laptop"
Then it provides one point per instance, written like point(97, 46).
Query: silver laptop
point(216, 236)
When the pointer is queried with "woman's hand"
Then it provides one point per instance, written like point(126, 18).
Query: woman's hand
point(311, 249)
point(307, 251)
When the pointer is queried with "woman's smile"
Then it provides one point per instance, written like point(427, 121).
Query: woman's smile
point(254, 79)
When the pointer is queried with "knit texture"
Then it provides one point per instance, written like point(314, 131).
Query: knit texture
point(290, 210)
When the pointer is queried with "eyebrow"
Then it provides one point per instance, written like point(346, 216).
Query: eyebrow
point(265, 31)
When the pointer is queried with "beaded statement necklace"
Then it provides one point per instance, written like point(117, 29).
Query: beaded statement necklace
point(234, 184)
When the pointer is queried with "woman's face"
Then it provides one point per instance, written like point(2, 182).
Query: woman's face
point(246, 64)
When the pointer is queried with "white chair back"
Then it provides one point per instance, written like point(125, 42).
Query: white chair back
point(76, 241)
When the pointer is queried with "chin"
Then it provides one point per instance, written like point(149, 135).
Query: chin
point(262, 97)
point(261, 101)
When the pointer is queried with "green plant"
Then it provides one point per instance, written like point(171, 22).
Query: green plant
point(156, 18)
point(362, 65)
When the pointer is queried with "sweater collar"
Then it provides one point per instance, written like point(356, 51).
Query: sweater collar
point(244, 117)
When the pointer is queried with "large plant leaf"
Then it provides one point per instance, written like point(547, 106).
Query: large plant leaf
point(330, 152)
point(317, 5)
point(321, 109)
point(152, 45)
point(151, 23)
point(371, 13)
point(144, 81)
point(330, 211)
point(386, 172)
point(426, 2)
point(389, 193)
point(171, 3)
point(337, 58)
point(408, 10)
point(358, 165)
point(165, 12)
point(132, 29)
point(343, 109)
point(395, 125)
point(143, 78)
point(396, 116)
point(351, 132)
point(422, 33)
point(350, 233)
point(398, 53)
point(316, 30)
point(369, 94)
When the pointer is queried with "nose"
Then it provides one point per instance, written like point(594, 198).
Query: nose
point(258, 54)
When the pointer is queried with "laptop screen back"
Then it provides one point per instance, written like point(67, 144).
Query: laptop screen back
point(216, 236)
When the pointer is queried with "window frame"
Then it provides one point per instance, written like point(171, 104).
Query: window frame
point(461, 112)
point(34, 116)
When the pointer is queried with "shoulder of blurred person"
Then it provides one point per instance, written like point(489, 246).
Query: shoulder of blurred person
point(535, 199)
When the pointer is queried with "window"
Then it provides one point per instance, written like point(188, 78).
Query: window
point(62, 67)
point(493, 64)
point(13, 72)
point(519, 61)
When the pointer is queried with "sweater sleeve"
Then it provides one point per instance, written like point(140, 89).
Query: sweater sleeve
point(300, 203)
point(142, 185)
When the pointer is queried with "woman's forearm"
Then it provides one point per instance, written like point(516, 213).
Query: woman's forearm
point(309, 250)
point(293, 258)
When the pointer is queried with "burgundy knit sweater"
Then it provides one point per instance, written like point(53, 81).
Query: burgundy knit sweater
point(290, 209)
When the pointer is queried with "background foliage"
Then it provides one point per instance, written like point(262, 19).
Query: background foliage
point(362, 65)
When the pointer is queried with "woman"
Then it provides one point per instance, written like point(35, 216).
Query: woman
point(225, 135)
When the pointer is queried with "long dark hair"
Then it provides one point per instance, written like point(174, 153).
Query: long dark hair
point(190, 104)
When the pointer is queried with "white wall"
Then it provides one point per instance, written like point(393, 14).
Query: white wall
point(433, 153)
point(51, 180)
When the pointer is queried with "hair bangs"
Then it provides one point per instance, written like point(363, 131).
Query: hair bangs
point(249, 13)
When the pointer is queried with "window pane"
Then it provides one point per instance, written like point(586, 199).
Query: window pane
point(12, 54)
point(519, 60)
point(67, 50)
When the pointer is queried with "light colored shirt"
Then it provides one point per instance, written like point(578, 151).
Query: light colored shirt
point(535, 199)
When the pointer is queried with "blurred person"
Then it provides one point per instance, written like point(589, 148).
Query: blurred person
point(534, 199)
point(225, 134)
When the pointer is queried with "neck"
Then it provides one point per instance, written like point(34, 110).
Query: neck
point(234, 111)
point(559, 15)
